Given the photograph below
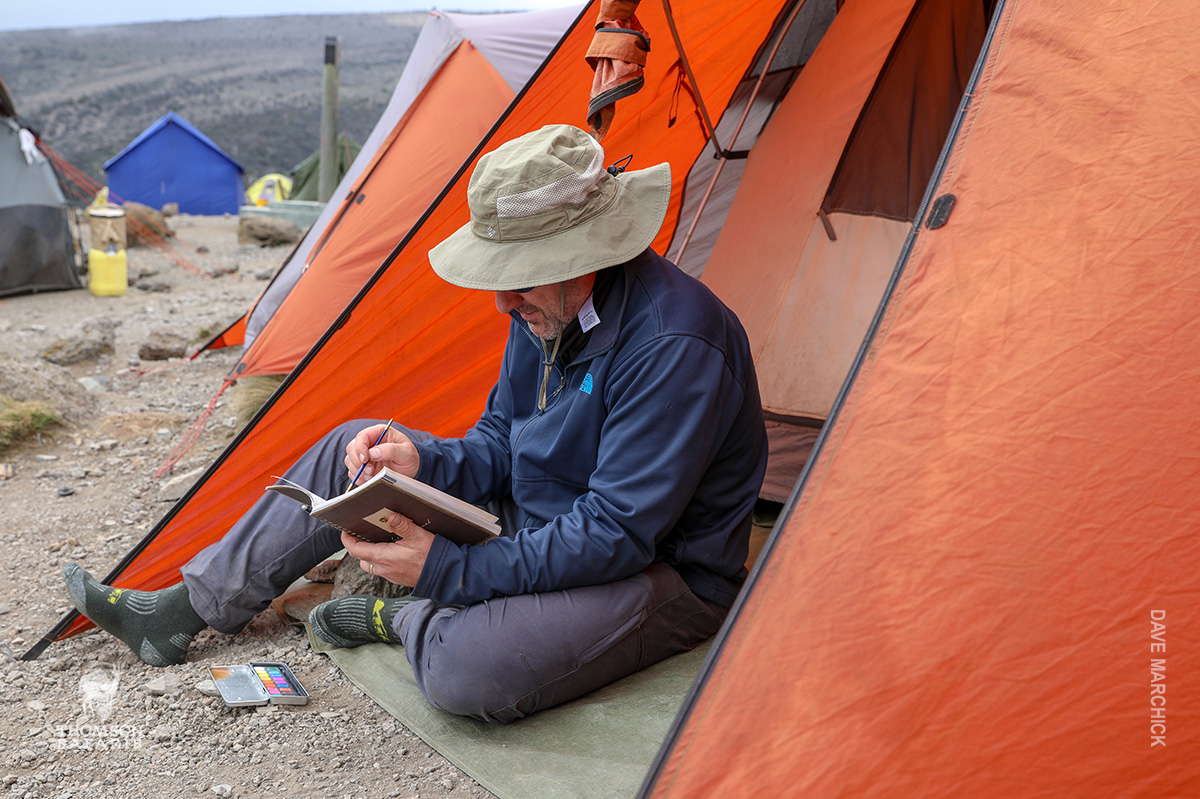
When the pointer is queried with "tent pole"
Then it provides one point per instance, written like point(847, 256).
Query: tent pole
point(687, 68)
point(721, 154)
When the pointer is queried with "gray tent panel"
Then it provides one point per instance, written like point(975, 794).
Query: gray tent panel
point(36, 251)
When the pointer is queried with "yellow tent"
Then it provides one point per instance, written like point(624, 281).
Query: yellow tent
point(270, 187)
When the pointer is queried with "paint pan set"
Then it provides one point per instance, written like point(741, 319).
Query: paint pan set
point(258, 684)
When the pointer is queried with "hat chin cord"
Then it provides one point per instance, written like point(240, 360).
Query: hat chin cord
point(548, 362)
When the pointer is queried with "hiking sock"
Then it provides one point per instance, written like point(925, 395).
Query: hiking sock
point(157, 625)
point(356, 620)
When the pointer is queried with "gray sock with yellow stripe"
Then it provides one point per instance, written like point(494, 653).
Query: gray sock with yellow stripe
point(356, 620)
point(157, 625)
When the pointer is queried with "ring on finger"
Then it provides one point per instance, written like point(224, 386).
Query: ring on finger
point(371, 568)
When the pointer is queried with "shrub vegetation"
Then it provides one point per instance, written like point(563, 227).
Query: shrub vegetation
point(23, 420)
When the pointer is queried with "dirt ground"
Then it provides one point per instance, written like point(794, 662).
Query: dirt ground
point(87, 719)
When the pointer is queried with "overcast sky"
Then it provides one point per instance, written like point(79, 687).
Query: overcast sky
point(29, 14)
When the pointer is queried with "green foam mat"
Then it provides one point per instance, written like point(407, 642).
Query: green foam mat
point(598, 746)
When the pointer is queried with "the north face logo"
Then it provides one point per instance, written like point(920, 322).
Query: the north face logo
point(586, 386)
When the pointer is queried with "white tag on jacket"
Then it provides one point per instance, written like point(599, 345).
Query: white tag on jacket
point(588, 318)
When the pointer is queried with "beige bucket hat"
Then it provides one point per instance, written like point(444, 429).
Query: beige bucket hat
point(544, 210)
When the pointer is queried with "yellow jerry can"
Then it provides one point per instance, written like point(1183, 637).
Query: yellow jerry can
point(108, 273)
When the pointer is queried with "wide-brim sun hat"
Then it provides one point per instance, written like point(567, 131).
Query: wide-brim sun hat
point(544, 209)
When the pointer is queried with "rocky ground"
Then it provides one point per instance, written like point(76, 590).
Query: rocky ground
point(87, 719)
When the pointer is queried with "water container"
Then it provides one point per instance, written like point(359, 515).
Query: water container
point(108, 273)
point(107, 224)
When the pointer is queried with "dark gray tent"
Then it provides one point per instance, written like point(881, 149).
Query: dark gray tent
point(36, 250)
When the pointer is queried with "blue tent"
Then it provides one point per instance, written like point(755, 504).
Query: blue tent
point(171, 161)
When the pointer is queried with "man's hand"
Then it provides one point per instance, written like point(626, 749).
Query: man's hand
point(395, 452)
point(398, 562)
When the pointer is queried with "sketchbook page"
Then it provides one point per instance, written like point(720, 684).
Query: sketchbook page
point(296, 492)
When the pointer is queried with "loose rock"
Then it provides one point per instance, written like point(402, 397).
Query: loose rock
point(208, 688)
point(267, 231)
point(93, 338)
point(146, 227)
point(163, 345)
point(177, 486)
point(161, 686)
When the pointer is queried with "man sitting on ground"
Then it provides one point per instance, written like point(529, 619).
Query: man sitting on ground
point(622, 446)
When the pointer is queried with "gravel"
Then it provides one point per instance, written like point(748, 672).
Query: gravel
point(87, 719)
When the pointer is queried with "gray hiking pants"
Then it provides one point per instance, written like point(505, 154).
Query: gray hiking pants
point(497, 660)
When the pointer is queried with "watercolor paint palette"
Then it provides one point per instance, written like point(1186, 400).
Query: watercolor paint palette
point(258, 684)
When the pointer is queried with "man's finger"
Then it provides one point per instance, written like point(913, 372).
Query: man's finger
point(401, 525)
point(363, 550)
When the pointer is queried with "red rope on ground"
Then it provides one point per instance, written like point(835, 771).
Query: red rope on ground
point(193, 433)
point(84, 188)
point(136, 372)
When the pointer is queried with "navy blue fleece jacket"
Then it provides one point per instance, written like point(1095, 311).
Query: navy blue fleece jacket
point(651, 448)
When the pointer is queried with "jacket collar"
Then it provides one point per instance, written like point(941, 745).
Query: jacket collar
point(612, 308)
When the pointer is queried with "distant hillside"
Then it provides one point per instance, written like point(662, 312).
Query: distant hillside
point(252, 85)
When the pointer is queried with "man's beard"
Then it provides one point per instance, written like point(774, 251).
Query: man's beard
point(556, 330)
point(551, 325)
point(553, 320)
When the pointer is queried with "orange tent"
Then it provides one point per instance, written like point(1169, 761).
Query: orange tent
point(992, 557)
point(960, 595)
point(463, 67)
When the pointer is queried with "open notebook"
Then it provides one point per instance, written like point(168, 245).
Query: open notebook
point(363, 511)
